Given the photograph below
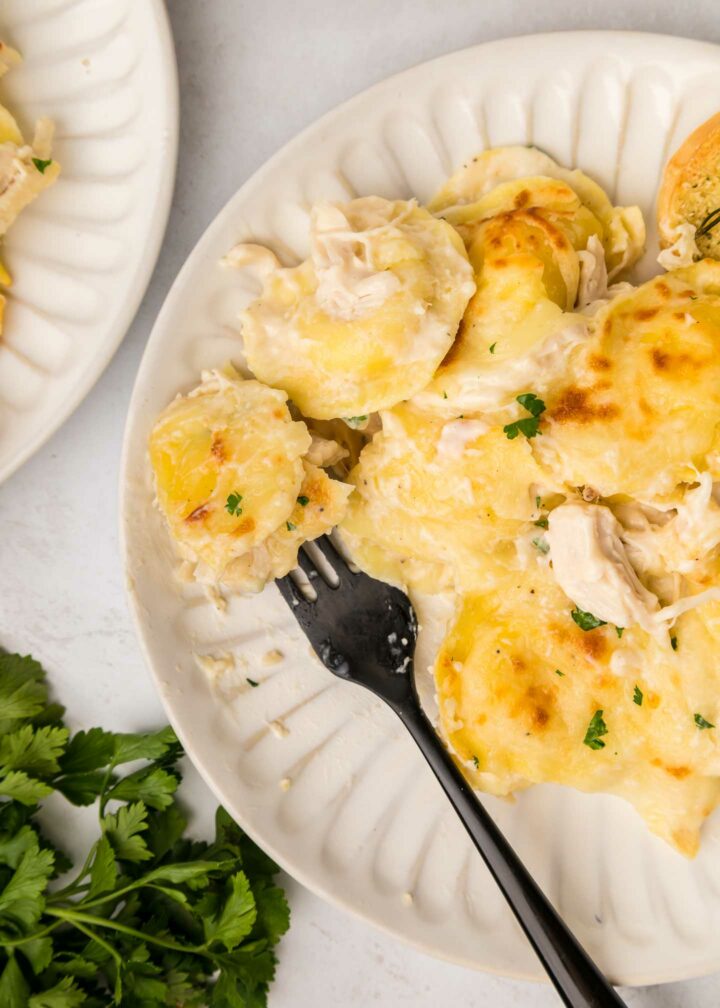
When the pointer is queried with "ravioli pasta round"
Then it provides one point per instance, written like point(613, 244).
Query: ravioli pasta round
point(525, 695)
point(437, 494)
point(234, 481)
point(641, 410)
point(366, 320)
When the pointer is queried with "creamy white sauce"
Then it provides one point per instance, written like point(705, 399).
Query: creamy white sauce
point(495, 388)
point(591, 565)
point(248, 255)
point(457, 434)
point(348, 283)
point(683, 251)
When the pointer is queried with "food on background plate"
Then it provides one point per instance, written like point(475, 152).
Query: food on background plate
point(552, 470)
point(25, 169)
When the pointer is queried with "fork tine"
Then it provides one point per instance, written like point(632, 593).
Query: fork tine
point(333, 555)
point(308, 565)
point(291, 592)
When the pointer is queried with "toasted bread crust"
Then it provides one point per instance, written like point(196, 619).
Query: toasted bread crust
point(703, 145)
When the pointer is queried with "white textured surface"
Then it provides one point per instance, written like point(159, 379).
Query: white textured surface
point(61, 596)
point(364, 821)
point(81, 255)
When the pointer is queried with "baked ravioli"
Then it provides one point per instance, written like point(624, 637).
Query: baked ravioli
point(526, 694)
point(640, 410)
point(236, 482)
point(433, 498)
point(365, 321)
point(544, 243)
point(521, 439)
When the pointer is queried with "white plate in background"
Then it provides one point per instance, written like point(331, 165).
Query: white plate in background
point(82, 254)
point(364, 822)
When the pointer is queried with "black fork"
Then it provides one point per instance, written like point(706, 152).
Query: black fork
point(365, 631)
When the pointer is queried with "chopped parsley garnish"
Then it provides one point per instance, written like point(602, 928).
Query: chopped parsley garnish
point(541, 545)
point(529, 426)
point(290, 527)
point(476, 762)
point(444, 395)
point(638, 696)
point(538, 502)
point(541, 523)
point(558, 672)
point(355, 421)
point(619, 630)
point(41, 165)
point(252, 682)
point(596, 728)
point(702, 723)
point(586, 620)
point(232, 504)
point(303, 501)
point(492, 348)
point(673, 643)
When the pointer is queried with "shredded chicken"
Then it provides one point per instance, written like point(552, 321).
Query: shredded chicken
point(349, 285)
point(591, 565)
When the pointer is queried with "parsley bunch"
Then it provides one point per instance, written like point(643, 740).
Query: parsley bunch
point(151, 918)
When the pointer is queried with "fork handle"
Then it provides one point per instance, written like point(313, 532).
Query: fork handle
point(577, 979)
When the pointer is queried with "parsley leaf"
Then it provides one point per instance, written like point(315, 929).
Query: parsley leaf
point(41, 165)
point(558, 672)
point(586, 620)
point(531, 403)
point(355, 421)
point(619, 630)
point(492, 347)
point(476, 762)
point(529, 426)
point(702, 723)
point(232, 504)
point(541, 545)
point(595, 729)
point(541, 523)
point(674, 643)
point(289, 526)
point(151, 918)
point(638, 696)
point(251, 682)
point(303, 501)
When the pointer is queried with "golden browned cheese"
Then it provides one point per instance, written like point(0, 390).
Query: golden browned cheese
point(641, 410)
point(436, 496)
point(530, 228)
point(233, 483)
point(525, 696)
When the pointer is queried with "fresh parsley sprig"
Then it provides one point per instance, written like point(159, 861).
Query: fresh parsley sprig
point(151, 918)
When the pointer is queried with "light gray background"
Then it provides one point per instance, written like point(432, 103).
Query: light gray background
point(251, 75)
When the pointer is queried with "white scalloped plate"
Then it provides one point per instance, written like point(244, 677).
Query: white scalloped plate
point(363, 822)
point(82, 254)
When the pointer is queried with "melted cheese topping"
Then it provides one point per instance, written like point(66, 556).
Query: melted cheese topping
point(520, 685)
point(641, 408)
point(234, 484)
